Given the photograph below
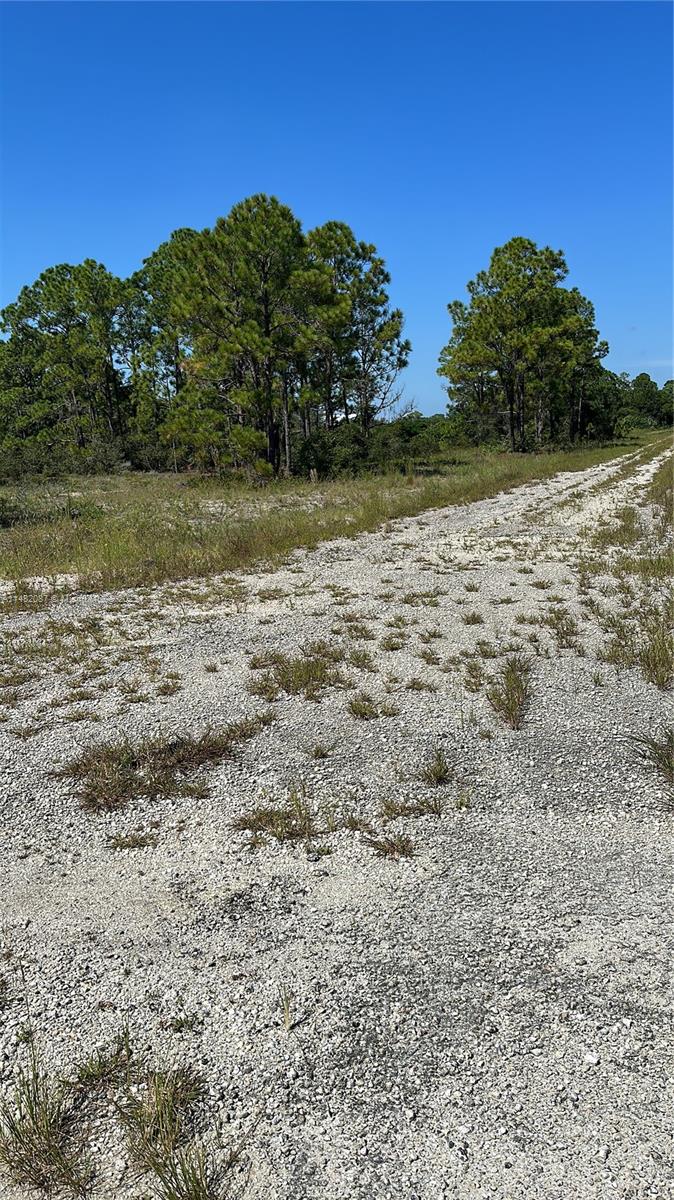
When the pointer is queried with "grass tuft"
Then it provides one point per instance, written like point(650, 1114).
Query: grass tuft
point(114, 773)
point(40, 1146)
point(510, 693)
point(437, 770)
point(394, 845)
point(657, 751)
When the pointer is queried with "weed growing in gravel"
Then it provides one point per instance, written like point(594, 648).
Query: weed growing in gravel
point(108, 1066)
point(437, 771)
point(39, 1143)
point(132, 841)
point(157, 1116)
point(425, 806)
point(423, 599)
point(292, 821)
point(286, 998)
point(308, 675)
point(473, 675)
point(429, 635)
point(420, 685)
point(657, 751)
point(363, 660)
point(400, 622)
point(391, 642)
point(188, 1173)
point(510, 693)
point(113, 773)
point(473, 618)
point(564, 626)
point(364, 708)
point(429, 656)
point(394, 845)
point(320, 750)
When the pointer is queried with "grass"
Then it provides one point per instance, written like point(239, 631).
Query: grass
point(139, 529)
point(44, 1125)
point(188, 1173)
point(156, 1116)
point(437, 771)
point(510, 692)
point(364, 708)
point(309, 674)
point(111, 774)
point(564, 627)
point(425, 806)
point(321, 750)
point(132, 841)
point(473, 675)
point(40, 1145)
point(473, 618)
point(657, 752)
point(292, 821)
point(394, 845)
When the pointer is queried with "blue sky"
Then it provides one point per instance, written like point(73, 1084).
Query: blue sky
point(435, 130)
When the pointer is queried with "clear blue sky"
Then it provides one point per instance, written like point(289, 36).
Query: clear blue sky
point(435, 130)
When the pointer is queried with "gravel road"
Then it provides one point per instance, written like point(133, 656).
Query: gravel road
point(489, 1017)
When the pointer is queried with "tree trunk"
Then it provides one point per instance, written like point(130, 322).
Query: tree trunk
point(286, 430)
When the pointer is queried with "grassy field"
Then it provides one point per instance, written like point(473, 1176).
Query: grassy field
point(140, 529)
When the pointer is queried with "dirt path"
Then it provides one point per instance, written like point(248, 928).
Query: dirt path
point(488, 1017)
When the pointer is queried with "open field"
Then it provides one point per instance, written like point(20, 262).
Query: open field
point(131, 530)
point(348, 877)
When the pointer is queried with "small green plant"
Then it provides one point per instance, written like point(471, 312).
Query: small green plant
point(420, 685)
point(657, 751)
point(309, 674)
point(286, 998)
point(473, 618)
point(391, 642)
point(425, 806)
point(40, 1144)
point(156, 1116)
point(473, 675)
point(189, 1173)
point(137, 840)
point(364, 708)
point(510, 693)
point(437, 771)
point(429, 656)
point(113, 773)
point(104, 1067)
point(394, 845)
point(363, 660)
point(423, 599)
point(292, 821)
point(564, 626)
point(320, 750)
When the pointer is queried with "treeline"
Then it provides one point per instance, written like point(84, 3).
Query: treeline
point(259, 347)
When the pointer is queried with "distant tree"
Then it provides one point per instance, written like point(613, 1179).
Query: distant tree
point(667, 402)
point(647, 401)
point(523, 349)
point(63, 365)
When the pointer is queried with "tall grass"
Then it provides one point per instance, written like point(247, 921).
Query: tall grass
point(134, 530)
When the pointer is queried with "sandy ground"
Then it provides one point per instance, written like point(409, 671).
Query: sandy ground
point(487, 1018)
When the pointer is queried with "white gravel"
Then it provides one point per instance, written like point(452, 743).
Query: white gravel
point(489, 1018)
